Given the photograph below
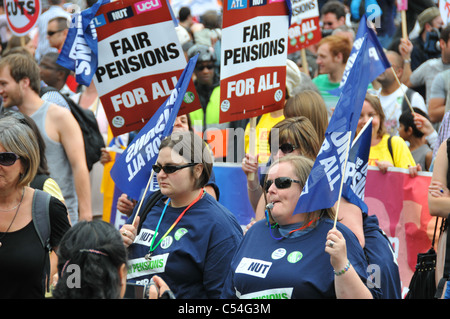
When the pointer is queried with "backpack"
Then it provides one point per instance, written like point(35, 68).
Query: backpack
point(93, 139)
point(41, 220)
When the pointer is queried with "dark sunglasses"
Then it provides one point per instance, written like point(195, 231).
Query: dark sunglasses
point(169, 169)
point(8, 158)
point(201, 67)
point(287, 148)
point(50, 33)
point(280, 183)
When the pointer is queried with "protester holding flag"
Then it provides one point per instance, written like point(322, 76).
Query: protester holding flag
point(294, 136)
point(182, 124)
point(187, 237)
point(297, 255)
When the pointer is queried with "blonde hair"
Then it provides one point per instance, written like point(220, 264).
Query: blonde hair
point(310, 104)
point(20, 139)
point(298, 131)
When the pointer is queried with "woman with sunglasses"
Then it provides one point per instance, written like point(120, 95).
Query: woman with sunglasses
point(291, 255)
point(24, 266)
point(182, 124)
point(187, 237)
point(295, 135)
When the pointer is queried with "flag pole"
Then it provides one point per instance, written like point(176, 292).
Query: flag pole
point(404, 93)
point(342, 179)
point(252, 144)
point(143, 196)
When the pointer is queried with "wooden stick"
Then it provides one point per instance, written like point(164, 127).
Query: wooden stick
point(252, 144)
point(404, 25)
point(143, 196)
point(404, 93)
point(342, 179)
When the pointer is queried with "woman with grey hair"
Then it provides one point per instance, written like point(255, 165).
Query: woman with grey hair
point(27, 270)
point(185, 236)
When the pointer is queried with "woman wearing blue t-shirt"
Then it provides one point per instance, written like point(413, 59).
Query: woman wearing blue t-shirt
point(297, 255)
point(187, 237)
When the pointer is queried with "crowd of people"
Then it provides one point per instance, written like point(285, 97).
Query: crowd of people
point(180, 242)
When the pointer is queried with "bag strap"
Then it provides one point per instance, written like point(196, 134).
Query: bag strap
point(409, 93)
point(446, 272)
point(41, 220)
point(389, 142)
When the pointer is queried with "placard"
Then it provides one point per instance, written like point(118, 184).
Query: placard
point(140, 62)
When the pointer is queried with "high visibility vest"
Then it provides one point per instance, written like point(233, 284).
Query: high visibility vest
point(207, 125)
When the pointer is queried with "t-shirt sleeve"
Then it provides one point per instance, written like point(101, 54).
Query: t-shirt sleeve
point(438, 89)
point(402, 155)
point(59, 221)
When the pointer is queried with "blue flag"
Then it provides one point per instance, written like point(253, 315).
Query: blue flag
point(356, 170)
point(79, 52)
point(133, 167)
point(323, 184)
point(376, 53)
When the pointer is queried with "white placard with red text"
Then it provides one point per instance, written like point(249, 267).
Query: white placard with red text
point(22, 15)
point(140, 61)
point(253, 58)
point(304, 30)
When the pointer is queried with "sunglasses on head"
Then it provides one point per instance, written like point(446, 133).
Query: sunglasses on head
point(169, 169)
point(201, 67)
point(280, 183)
point(287, 148)
point(8, 158)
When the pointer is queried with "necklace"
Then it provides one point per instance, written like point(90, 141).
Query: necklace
point(151, 249)
point(14, 218)
point(292, 231)
point(20, 202)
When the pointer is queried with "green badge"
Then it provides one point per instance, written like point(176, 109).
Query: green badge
point(180, 233)
point(294, 257)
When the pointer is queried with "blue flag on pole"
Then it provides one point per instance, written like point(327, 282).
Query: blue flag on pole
point(133, 167)
point(356, 170)
point(323, 184)
point(80, 50)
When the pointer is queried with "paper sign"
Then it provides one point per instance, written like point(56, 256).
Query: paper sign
point(22, 15)
point(140, 61)
point(253, 58)
point(304, 30)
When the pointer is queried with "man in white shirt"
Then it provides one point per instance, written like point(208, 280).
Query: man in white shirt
point(392, 94)
point(55, 10)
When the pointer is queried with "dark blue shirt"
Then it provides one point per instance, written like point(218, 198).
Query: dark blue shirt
point(298, 267)
point(195, 257)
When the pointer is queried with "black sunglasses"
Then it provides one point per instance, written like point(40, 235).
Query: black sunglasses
point(8, 158)
point(50, 33)
point(169, 169)
point(287, 148)
point(280, 183)
point(201, 67)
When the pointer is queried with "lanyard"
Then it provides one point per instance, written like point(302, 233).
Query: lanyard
point(292, 231)
point(151, 249)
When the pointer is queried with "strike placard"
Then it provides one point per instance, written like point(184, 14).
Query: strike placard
point(304, 30)
point(253, 58)
point(139, 62)
point(22, 15)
